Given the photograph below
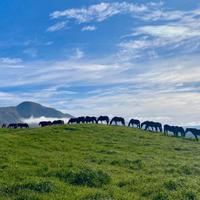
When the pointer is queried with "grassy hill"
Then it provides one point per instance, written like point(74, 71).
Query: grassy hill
point(97, 162)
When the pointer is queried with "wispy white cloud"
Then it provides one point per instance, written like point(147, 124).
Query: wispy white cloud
point(7, 60)
point(154, 90)
point(58, 26)
point(170, 31)
point(89, 28)
point(180, 33)
point(100, 12)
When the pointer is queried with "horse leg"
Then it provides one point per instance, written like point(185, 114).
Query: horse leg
point(195, 135)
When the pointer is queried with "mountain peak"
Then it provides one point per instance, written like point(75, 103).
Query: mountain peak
point(25, 103)
point(29, 109)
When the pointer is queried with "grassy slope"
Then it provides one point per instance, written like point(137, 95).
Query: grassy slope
point(141, 165)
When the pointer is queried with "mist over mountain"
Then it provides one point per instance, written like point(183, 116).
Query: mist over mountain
point(28, 110)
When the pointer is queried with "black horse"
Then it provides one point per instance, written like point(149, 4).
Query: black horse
point(58, 122)
point(45, 123)
point(117, 120)
point(134, 122)
point(180, 130)
point(73, 121)
point(168, 128)
point(3, 126)
point(175, 130)
point(12, 125)
point(103, 119)
point(89, 120)
point(22, 125)
point(152, 126)
point(194, 131)
point(81, 120)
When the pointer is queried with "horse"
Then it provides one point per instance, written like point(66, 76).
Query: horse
point(103, 119)
point(133, 122)
point(73, 121)
point(155, 126)
point(3, 126)
point(45, 123)
point(174, 129)
point(146, 124)
point(92, 120)
point(12, 125)
point(22, 125)
point(180, 130)
point(81, 120)
point(158, 126)
point(194, 131)
point(58, 122)
point(117, 120)
point(168, 128)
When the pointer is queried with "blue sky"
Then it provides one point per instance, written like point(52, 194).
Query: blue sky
point(130, 58)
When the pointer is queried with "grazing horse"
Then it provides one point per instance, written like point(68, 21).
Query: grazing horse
point(45, 123)
point(3, 126)
point(133, 122)
point(73, 121)
point(92, 120)
point(58, 122)
point(22, 125)
point(117, 120)
point(158, 126)
point(194, 131)
point(168, 128)
point(180, 130)
point(146, 124)
point(152, 126)
point(81, 120)
point(12, 125)
point(174, 129)
point(103, 119)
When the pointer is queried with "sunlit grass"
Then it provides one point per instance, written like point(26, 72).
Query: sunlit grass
point(97, 162)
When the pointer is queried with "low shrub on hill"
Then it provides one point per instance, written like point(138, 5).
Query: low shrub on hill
point(40, 187)
point(85, 176)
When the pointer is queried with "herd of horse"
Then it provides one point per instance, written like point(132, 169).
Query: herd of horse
point(146, 125)
point(25, 125)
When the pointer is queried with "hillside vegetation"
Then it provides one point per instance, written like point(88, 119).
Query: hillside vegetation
point(97, 162)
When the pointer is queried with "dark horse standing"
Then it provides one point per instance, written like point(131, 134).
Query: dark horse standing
point(45, 123)
point(12, 125)
point(22, 125)
point(81, 120)
point(73, 121)
point(103, 119)
point(3, 126)
point(174, 129)
point(117, 120)
point(78, 120)
point(134, 122)
point(168, 128)
point(89, 120)
point(152, 126)
point(194, 131)
point(58, 122)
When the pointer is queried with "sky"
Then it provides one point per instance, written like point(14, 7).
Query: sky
point(135, 59)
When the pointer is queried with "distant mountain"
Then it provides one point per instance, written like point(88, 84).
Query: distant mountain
point(26, 110)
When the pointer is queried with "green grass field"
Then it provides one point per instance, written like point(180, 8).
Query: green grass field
point(97, 162)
